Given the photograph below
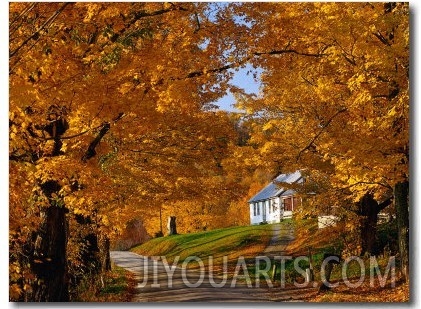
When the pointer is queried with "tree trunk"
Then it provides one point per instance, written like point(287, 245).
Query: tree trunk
point(106, 259)
point(325, 285)
point(50, 258)
point(172, 227)
point(402, 218)
point(368, 212)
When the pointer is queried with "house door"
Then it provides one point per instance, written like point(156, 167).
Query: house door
point(264, 211)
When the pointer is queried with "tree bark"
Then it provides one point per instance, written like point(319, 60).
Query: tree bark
point(368, 212)
point(402, 218)
point(49, 263)
point(105, 255)
point(325, 285)
point(369, 209)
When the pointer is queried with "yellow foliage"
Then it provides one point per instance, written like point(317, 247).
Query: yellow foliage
point(111, 111)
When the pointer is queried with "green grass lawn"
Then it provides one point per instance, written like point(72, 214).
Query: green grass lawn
point(251, 241)
point(247, 241)
point(118, 286)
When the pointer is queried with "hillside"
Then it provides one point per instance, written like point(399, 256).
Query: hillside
point(247, 241)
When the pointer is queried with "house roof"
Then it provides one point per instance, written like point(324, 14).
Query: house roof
point(274, 190)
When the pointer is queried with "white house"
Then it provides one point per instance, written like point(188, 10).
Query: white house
point(273, 202)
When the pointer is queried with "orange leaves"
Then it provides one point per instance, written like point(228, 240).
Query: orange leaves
point(161, 65)
point(342, 111)
point(99, 61)
point(14, 291)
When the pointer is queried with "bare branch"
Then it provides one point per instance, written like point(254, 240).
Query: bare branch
point(243, 61)
point(309, 145)
point(142, 14)
point(216, 70)
point(40, 29)
point(197, 22)
point(381, 38)
point(12, 27)
point(290, 51)
point(368, 183)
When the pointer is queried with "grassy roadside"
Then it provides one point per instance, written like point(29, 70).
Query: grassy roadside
point(328, 240)
point(233, 242)
point(250, 241)
point(119, 286)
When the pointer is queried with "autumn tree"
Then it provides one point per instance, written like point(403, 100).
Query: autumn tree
point(112, 116)
point(110, 112)
point(335, 99)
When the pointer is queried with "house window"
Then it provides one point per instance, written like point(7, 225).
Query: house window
point(288, 203)
point(258, 209)
point(254, 209)
point(273, 205)
point(268, 202)
point(297, 202)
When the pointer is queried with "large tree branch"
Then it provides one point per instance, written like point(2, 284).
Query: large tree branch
point(237, 64)
point(134, 17)
point(72, 136)
point(216, 70)
point(290, 51)
point(243, 61)
point(368, 183)
point(384, 204)
point(143, 14)
point(381, 38)
point(91, 151)
point(310, 143)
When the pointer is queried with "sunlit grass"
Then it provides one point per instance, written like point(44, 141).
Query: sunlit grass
point(233, 242)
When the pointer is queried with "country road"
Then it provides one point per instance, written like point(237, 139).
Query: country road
point(161, 282)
